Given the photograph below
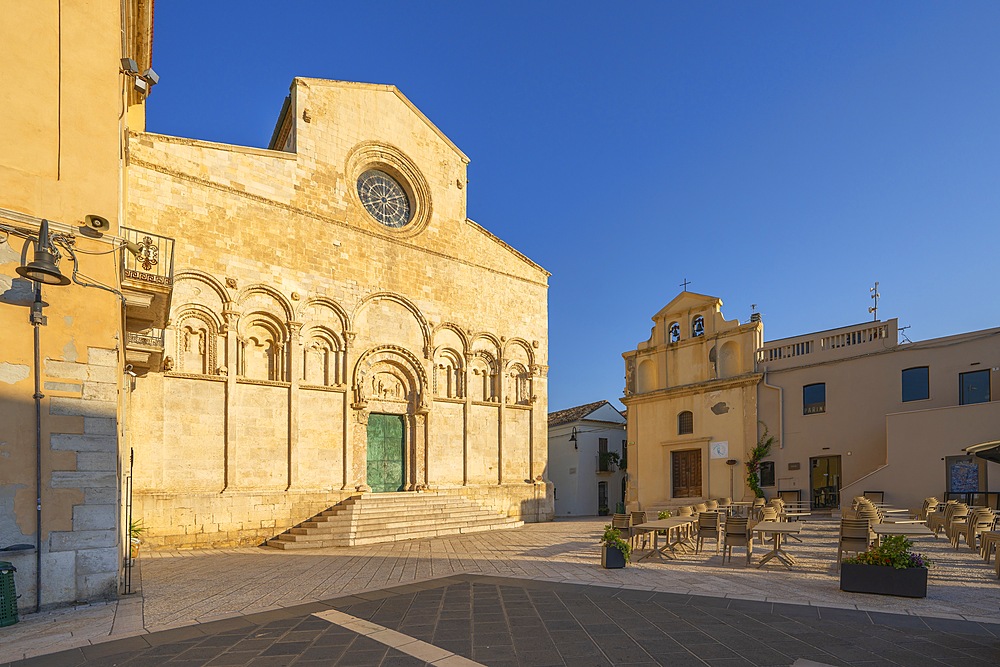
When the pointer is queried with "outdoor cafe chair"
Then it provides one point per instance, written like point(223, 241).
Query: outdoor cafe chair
point(930, 503)
point(855, 536)
point(622, 522)
point(709, 525)
point(711, 504)
point(959, 517)
point(737, 534)
point(938, 520)
point(979, 521)
point(685, 510)
point(700, 507)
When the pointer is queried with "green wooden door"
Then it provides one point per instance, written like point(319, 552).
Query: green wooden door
point(386, 444)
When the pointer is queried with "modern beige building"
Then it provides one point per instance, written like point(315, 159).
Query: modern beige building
point(852, 410)
point(856, 411)
point(251, 336)
point(338, 326)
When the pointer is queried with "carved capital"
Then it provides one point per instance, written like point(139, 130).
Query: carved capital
point(349, 337)
point(539, 370)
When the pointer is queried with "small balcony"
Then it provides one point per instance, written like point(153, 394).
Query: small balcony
point(608, 462)
point(144, 350)
point(147, 278)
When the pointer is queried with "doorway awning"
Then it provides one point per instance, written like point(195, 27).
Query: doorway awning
point(986, 450)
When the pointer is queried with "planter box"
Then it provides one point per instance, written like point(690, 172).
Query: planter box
point(884, 580)
point(612, 558)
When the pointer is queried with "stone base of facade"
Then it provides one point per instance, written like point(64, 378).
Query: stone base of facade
point(248, 518)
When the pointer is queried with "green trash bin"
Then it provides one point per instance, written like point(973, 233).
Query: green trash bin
point(8, 594)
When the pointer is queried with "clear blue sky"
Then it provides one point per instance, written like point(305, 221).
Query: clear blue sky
point(786, 154)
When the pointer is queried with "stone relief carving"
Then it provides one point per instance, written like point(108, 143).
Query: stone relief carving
point(629, 376)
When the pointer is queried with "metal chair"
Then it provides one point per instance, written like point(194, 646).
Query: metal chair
point(709, 525)
point(737, 534)
point(855, 536)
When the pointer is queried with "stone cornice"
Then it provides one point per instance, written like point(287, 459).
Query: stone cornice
point(746, 380)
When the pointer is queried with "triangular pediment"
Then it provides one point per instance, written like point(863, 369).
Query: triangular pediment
point(687, 301)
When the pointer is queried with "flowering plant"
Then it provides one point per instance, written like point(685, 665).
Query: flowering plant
point(893, 552)
point(663, 514)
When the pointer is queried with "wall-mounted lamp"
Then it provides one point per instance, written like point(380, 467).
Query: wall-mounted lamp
point(572, 438)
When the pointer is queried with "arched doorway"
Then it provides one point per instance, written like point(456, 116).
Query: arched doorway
point(386, 459)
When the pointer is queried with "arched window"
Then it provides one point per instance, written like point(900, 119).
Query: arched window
point(698, 326)
point(675, 332)
point(685, 423)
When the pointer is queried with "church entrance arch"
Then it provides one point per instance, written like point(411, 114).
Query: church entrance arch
point(386, 452)
point(389, 450)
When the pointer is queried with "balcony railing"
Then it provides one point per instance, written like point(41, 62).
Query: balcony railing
point(154, 261)
point(835, 344)
point(153, 338)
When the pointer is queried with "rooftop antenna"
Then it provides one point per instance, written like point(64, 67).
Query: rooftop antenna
point(902, 333)
point(685, 284)
point(875, 295)
point(754, 315)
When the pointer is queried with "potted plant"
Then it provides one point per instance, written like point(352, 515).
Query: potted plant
point(603, 510)
point(608, 461)
point(135, 530)
point(757, 454)
point(888, 569)
point(615, 551)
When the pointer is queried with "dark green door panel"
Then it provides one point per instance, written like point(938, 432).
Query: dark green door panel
point(386, 444)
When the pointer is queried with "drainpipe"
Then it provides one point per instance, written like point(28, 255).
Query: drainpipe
point(37, 319)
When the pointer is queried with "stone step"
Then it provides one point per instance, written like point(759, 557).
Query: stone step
point(398, 526)
point(391, 517)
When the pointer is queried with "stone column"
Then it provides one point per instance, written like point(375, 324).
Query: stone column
point(501, 390)
point(466, 412)
point(231, 369)
point(295, 368)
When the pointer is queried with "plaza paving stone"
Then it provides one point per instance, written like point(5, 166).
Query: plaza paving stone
point(531, 596)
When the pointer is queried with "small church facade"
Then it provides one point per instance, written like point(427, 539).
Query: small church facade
point(691, 396)
point(337, 327)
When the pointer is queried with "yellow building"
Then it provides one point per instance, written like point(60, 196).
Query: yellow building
point(65, 107)
point(256, 334)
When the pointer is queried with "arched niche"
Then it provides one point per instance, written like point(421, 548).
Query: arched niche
point(645, 376)
point(449, 373)
point(196, 340)
point(262, 347)
point(730, 360)
point(322, 357)
point(482, 377)
point(264, 298)
point(518, 387)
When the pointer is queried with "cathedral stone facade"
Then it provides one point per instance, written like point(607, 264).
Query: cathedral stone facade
point(337, 326)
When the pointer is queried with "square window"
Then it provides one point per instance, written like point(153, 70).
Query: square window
point(767, 473)
point(814, 398)
point(916, 384)
point(974, 387)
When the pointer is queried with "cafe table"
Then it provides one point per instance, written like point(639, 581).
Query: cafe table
point(778, 529)
point(907, 529)
point(673, 527)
